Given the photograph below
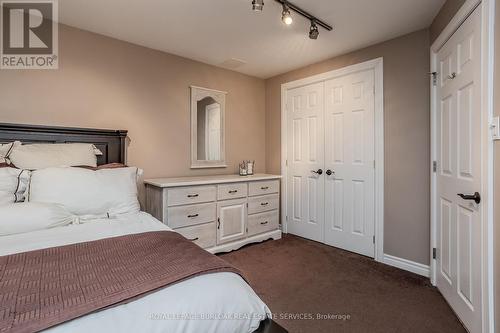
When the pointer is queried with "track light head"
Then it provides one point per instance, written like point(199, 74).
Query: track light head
point(257, 5)
point(285, 15)
point(313, 31)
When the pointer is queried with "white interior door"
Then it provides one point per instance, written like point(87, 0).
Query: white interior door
point(349, 160)
point(458, 264)
point(305, 131)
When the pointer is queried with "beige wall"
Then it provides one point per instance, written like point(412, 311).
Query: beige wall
point(106, 83)
point(407, 136)
point(449, 9)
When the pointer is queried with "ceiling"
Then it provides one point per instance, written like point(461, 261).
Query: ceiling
point(218, 31)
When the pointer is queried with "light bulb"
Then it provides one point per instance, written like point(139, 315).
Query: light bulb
point(285, 15)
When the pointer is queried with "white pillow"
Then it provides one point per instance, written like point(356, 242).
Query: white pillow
point(40, 156)
point(30, 216)
point(13, 183)
point(6, 149)
point(87, 192)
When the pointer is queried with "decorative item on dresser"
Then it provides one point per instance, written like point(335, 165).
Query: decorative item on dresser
point(219, 213)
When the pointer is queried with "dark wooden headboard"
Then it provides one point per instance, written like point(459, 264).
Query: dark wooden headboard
point(112, 143)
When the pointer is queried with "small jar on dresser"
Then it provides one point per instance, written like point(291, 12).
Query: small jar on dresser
point(219, 213)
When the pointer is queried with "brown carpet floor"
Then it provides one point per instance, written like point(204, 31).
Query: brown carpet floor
point(296, 277)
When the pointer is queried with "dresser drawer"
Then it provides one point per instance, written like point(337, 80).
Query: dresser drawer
point(263, 187)
point(190, 195)
point(183, 216)
point(263, 222)
point(232, 191)
point(202, 235)
point(263, 204)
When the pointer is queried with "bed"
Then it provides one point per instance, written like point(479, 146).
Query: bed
point(216, 302)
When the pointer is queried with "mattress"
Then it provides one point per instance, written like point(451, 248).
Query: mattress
point(218, 302)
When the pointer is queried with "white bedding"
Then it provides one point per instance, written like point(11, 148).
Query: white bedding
point(218, 302)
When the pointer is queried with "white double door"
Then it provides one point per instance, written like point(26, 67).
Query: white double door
point(330, 162)
point(458, 174)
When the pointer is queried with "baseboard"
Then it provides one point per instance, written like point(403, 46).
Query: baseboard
point(407, 265)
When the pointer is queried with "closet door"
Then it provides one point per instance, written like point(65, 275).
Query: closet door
point(349, 162)
point(305, 180)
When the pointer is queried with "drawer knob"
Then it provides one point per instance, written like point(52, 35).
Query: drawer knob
point(264, 223)
point(193, 215)
point(193, 195)
point(233, 191)
point(194, 239)
point(264, 203)
point(264, 188)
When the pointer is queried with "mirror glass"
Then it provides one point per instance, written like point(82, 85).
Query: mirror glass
point(209, 130)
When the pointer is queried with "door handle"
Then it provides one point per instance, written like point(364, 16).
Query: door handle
point(329, 172)
point(476, 197)
point(318, 172)
point(193, 195)
point(193, 215)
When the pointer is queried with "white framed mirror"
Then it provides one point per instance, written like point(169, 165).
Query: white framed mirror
point(207, 128)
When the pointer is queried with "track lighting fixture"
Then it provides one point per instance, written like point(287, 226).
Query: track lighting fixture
point(285, 15)
point(313, 31)
point(257, 5)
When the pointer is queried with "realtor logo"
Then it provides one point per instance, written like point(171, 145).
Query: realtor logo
point(29, 36)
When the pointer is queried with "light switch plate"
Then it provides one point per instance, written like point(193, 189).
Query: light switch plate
point(495, 128)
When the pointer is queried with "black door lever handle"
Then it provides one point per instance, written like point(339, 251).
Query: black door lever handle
point(476, 197)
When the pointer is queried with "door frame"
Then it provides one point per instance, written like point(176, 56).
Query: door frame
point(377, 65)
point(487, 53)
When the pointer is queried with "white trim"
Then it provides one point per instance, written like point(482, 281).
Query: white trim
point(219, 97)
point(370, 64)
point(379, 161)
point(210, 90)
point(487, 77)
point(407, 265)
point(377, 65)
point(284, 166)
point(487, 80)
point(433, 196)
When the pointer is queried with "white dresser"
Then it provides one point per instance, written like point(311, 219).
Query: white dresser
point(219, 213)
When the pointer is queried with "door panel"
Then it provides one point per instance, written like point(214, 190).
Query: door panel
point(305, 106)
point(349, 153)
point(446, 238)
point(231, 220)
point(458, 275)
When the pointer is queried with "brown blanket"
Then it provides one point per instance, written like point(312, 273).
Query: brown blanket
point(43, 288)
